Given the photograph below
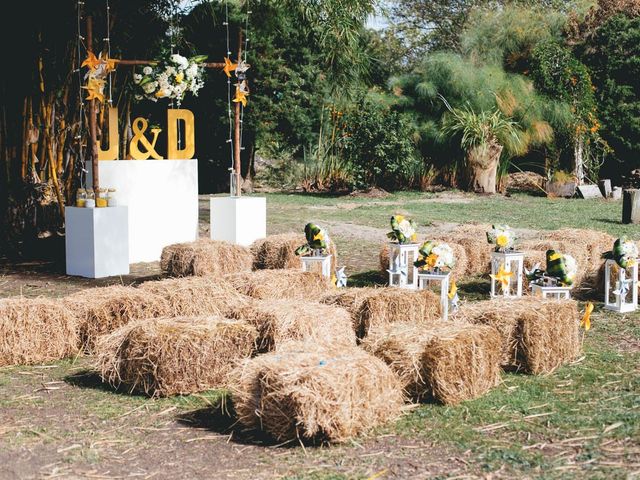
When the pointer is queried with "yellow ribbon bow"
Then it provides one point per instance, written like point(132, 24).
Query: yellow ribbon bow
point(453, 290)
point(503, 277)
point(586, 319)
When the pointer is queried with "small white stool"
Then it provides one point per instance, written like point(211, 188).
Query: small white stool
point(512, 262)
point(557, 293)
point(623, 286)
point(426, 279)
point(402, 272)
point(323, 261)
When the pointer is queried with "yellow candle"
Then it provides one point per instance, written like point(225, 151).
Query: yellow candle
point(81, 202)
point(101, 202)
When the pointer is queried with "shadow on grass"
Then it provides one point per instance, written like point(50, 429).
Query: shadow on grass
point(371, 278)
point(89, 379)
point(477, 288)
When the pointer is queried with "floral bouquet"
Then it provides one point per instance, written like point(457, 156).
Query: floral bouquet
point(561, 270)
point(318, 241)
point(172, 77)
point(402, 230)
point(502, 237)
point(625, 253)
point(435, 256)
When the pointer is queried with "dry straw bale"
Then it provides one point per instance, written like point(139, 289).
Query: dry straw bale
point(460, 269)
point(205, 257)
point(593, 242)
point(195, 296)
point(538, 335)
point(279, 251)
point(174, 356)
point(36, 331)
point(280, 284)
point(280, 321)
point(350, 299)
point(315, 393)
point(447, 362)
point(102, 310)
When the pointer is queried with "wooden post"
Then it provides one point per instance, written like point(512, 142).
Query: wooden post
point(93, 128)
point(631, 206)
point(236, 131)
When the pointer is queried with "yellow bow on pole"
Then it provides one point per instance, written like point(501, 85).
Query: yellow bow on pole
point(586, 319)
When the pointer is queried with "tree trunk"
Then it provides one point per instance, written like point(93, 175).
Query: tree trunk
point(483, 164)
point(578, 154)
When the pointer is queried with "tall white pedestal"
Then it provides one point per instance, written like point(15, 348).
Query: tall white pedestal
point(238, 220)
point(162, 196)
point(402, 271)
point(425, 280)
point(97, 241)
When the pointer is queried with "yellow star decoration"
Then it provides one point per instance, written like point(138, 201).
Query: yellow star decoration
point(94, 89)
point(241, 97)
point(91, 61)
point(453, 290)
point(503, 277)
point(586, 319)
point(229, 66)
point(110, 63)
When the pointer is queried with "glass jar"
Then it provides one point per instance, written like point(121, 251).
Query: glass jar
point(91, 199)
point(101, 198)
point(112, 201)
point(81, 198)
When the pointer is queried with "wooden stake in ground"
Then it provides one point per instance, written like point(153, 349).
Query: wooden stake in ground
point(631, 206)
point(236, 131)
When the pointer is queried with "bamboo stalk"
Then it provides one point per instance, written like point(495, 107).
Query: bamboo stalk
point(236, 128)
point(93, 142)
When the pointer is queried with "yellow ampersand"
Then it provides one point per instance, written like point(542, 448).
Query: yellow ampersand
point(139, 126)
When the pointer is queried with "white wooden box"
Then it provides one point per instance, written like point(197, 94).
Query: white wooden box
point(425, 280)
point(238, 220)
point(402, 272)
point(623, 287)
point(557, 293)
point(97, 241)
point(324, 262)
point(511, 262)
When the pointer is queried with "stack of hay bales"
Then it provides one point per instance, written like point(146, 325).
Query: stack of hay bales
point(34, 331)
point(538, 335)
point(174, 356)
point(310, 392)
point(280, 284)
point(205, 257)
point(281, 321)
point(103, 310)
point(446, 362)
point(277, 252)
point(194, 296)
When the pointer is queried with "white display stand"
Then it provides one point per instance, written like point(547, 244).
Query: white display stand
point(238, 220)
point(558, 293)
point(324, 262)
point(630, 283)
point(162, 196)
point(443, 279)
point(402, 272)
point(512, 262)
point(97, 241)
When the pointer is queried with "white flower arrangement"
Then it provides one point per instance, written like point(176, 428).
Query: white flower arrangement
point(435, 256)
point(502, 237)
point(571, 266)
point(171, 78)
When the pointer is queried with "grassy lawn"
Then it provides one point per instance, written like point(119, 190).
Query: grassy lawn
point(583, 421)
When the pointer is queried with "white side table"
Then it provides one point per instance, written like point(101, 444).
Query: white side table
point(510, 262)
point(402, 272)
point(558, 293)
point(323, 261)
point(425, 280)
point(624, 286)
point(97, 241)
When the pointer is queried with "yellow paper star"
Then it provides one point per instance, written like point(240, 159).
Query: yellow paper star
point(241, 97)
point(110, 63)
point(503, 277)
point(586, 319)
point(91, 61)
point(229, 66)
point(94, 89)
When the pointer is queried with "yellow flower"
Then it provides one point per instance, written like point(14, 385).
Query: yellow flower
point(502, 240)
point(159, 94)
point(179, 77)
point(432, 260)
point(399, 218)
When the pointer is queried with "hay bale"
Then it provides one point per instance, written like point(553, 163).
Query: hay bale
point(538, 335)
point(593, 243)
point(36, 331)
point(194, 296)
point(448, 362)
point(279, 252)
point(391, 305)
point(174, 356)
point(311, 392)
point(281, 321)
point(478, 253)
point(280, 284)
point(102, 310)
point(205, 257)
point(350, 299)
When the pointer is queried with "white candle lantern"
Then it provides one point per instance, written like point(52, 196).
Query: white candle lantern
point(402, 272)
point(621, 288)
point(556, 292)
point(324, 261)
point(510, 262)
point(430, 279)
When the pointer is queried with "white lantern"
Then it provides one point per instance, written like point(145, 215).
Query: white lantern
point(324, 261)
point(431, 279)
point(402, 272)
point(510, 262)
point(621, 289)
